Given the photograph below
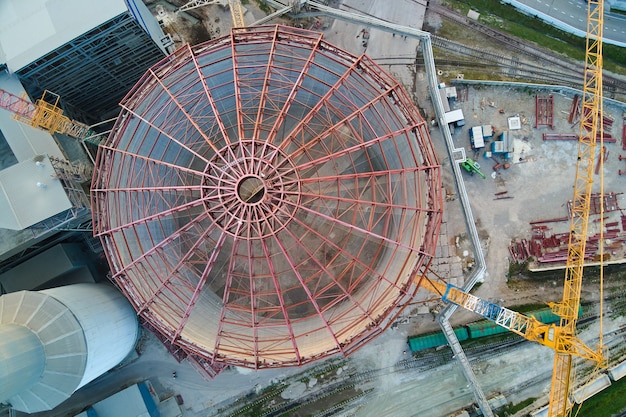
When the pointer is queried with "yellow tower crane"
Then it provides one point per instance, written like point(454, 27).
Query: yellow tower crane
point(44, 114)
point(562, 337)
point(236, 12)
point(236, 9)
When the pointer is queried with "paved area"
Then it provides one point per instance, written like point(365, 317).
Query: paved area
point(571, 15)
point(155, 363)
point(384, 47)
point(519, 373)
point(539, 181)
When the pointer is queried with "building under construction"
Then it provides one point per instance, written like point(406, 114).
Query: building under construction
point(91, 61)
point(266, 198)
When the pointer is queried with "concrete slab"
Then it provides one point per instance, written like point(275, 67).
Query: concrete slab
point(30, 193)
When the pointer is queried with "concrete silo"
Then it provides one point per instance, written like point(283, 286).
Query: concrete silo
point(55, 341)
point(266, 198)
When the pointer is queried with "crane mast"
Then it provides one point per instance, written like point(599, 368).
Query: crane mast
point(562, 337)
point(590, 129)
point(16, 105)
point(550, 335)
point(236, 12)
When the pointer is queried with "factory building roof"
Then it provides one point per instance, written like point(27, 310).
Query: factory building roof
point(266, 198)
point(30, 193)
point(24, 162)
point(135, 401)
point(30, 29)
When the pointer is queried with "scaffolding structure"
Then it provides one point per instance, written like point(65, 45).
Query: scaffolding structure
point(75, 179)
point(266, 198)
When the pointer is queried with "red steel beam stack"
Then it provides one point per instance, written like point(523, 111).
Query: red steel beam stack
point(607, 122)
point(520, 251)
point(604, 154)
point(607, 138)
point(555, 220)
point(544, 111)
point(574, 110)
point(560, 136)
point(610, 204)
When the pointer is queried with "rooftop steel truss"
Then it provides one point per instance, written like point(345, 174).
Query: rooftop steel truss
point(266, 198)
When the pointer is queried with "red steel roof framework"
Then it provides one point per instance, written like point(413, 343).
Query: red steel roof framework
point(266, 198)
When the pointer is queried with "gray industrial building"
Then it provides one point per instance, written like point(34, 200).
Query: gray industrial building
point(40, 189)
point(55, 338)
point(91, 61)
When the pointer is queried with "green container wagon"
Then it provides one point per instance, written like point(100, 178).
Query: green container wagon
point(433, 340)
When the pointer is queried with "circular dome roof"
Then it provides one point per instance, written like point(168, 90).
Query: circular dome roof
point(266, 199)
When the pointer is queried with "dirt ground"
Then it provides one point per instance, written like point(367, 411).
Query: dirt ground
point(538, 183)
point(202, 23)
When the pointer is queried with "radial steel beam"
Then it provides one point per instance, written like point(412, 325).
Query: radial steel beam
point(252, 191)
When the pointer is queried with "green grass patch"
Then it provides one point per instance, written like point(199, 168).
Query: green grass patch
point(525, 308)
point(618, 11)
point(507, 19)
point(516, 268)
point(511, 409)
point(607, 403)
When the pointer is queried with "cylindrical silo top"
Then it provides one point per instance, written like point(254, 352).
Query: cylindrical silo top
point(55, 341)
point(48, 328)
point(23, 359)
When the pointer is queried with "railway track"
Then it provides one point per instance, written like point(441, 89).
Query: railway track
point(514, 70)
point(514, 44)
point(571, 72)
point(511, 63)
point(252, 399)
point(352, 378)
point(519, 71)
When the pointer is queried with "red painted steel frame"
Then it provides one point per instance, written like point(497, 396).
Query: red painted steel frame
point(16, 105)
point(544, 111)
point(266, 198)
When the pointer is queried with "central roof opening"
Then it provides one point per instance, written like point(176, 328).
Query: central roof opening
point(251, 189)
